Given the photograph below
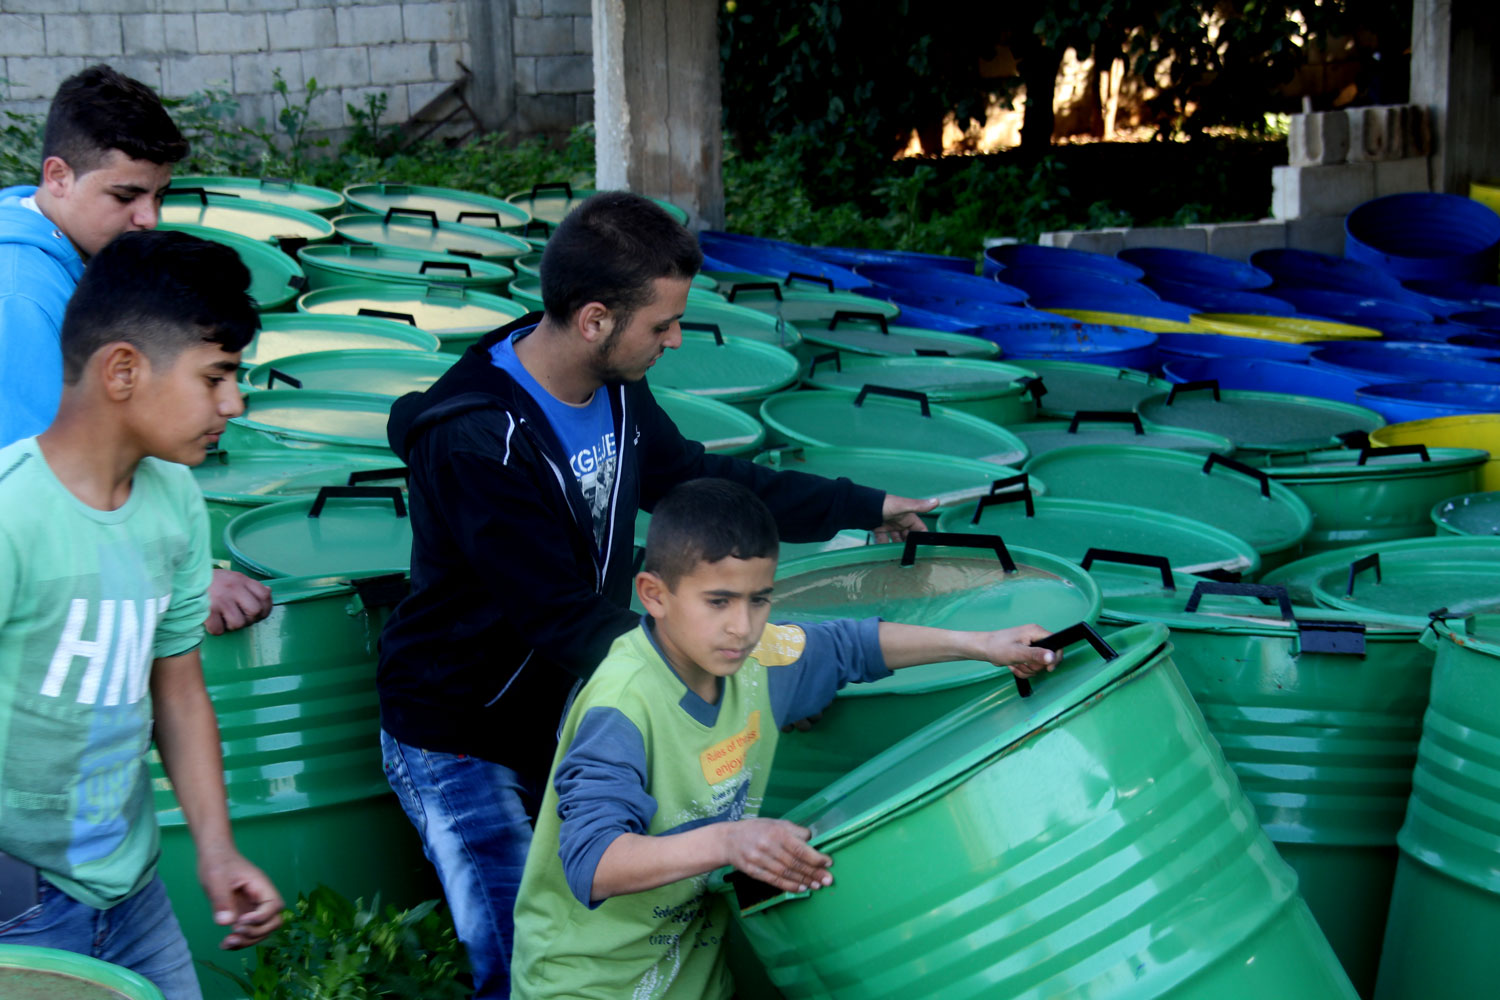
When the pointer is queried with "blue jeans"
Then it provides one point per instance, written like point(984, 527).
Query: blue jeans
point(140, 934)
point(474, 817)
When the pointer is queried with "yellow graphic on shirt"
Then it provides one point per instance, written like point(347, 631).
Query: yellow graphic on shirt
point(726, 758)
point(780, 645)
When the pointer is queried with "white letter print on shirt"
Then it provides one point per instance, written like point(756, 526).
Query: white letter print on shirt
point(123, 640)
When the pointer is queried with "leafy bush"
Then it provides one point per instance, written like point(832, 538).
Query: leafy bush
point(332, 949)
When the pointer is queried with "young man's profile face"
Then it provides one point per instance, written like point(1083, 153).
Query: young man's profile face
point(119, 196)
point(709, 623)
point(183, 405)
point(628, 352)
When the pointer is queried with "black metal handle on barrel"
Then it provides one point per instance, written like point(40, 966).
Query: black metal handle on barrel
point(959, 540)
point(1358, 566)
point(446, 265)
point(415, 213)
point(202, 193)
point(297, 281)
point(755, 286)
point(1082, 632)
point(1260, 590)
point(1420, 450)
point(1010, 496)
point(275, 376)
point(1354, 439)
point(924, 352)
point(479, 215)
point(833, 356)
point(563, 186)
point(1021, 480)
point(1106, 417)
point(376, 475)
point(816, 279)
point(712, 328)
point(384, 591)
point(1260, 477)
point(885, 390)
point(1160, 563)
point(391, 493)
point(1194, 386)
point(1034, 385)
point(842, 315)
point(386, 314)
point(541, 224)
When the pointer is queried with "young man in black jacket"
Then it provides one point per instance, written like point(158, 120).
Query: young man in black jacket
point(528, 462)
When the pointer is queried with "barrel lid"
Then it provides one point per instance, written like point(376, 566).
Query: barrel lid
point(527, 290)
point(945, 587)
point(548, 203)
point(885, 339)
point(28, 972)
point(284, 334)
point(329, 534)
point(738, 321)
point(801, 305)
point(1117, 428)
point(1300, 576)
point(444, 311)
point(1220, 491)
point(440, 204)
point(1470, 514)
point(986, 729)
point(250, 476)
point(1076, 385)
point(1197, 267)
point(256, 219)
point(904, 473)
point(1259, 421)
point(1370, 463)
point(1409, 591)
point(1070, 527)
point(383, 373)
point(336, 418)
point(275, 278)
point(1295, 328)
point(1479, 632)
point(834, 419)
point(718, 426)
point(286, 193)
point(530, 263)
point(725, 368)
point(388, 263)
point(411, 233)
point(943, 380)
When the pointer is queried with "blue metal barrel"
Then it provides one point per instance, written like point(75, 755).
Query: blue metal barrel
point(1209, 298)
point(1467, 294)
point(1400, 402)
point(853, 257)
point(1191, 346)
point(768, 258)
point(1361, 309)
point(1116, 346)
point(1423, 235)
point(1196, 267)
point(1309, 269)
point(944, 284)
point(1409, 361)
point(1486, 320)
point(1049, 285)
point(1265, 375)
point(1028, 254)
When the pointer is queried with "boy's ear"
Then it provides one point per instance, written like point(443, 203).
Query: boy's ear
point(121, 367)
point(57, 176)
point(650, 588)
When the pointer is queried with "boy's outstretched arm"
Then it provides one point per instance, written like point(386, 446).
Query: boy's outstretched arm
point(911, 645)
point(187, 736)
point(771, 850)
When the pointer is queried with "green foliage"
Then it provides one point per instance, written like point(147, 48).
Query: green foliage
point(20, 149)
point(332, 949)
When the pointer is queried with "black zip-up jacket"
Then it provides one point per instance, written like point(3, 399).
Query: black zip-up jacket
point(512, 602)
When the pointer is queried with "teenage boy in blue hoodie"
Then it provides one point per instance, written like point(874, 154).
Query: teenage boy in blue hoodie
point(107, 157)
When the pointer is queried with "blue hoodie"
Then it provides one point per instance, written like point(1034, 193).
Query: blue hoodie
point(39, 268)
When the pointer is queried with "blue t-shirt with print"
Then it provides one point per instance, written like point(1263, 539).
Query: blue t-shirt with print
point(586, 431)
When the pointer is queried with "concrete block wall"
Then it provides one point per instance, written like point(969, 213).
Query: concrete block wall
point(554, 65)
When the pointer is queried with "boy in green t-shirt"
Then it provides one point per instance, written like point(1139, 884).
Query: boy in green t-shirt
point(104, 572)
point(664, 756)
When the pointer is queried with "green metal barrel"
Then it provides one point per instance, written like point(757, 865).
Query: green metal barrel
point(1259, 422)
point(871, 333)
point(309, 418)
point(382, 373)
point(1089, 841)
point(951, 481)
point(1076, 385)
point(299, 722)
point(30, 973)
point(718, 426)
point(458, 317)
point(1300, 577)
point(742, 373)
point(1470, 514)
point(1413, 591)
point(947, 586)
point(1466, 430)
point(1375, 494)
point(800, 304)
point(1318, 712)
point(284, 334)
point(371, 265)
point(991, 390)
point(275, 278)
point(439, 204)
point(415, 233)
point(352, 529)
point(258, 220)
point(878, 417)
point(1445, 911)
point(1115, 427)
point(738, 321)
point(303, 197)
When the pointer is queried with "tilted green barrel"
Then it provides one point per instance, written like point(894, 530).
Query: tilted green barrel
point(1318, 712)
point(299, 721)
point(1087, 842)
point(1441, 938)
point(29, 973)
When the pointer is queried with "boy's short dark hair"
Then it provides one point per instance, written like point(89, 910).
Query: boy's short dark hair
point(705, 520)
point(98, 110)
point(162, 292)
point(609, 250)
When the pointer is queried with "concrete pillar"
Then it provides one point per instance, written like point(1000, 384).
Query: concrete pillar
point(492, 95)
point(1455, 75)
point(656, 103)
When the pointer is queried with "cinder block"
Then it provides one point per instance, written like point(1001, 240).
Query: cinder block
point(1397, 176)
point(584, 108)
point(1418, 131)
point(545, 113)
point(526, 75)
point(447, 55)
point(302, 29)
point(146, 69)
point(254, 73)
point(1322, 234)
point(1330, 189)
point(528, 8)
point(1238, 240)
point(180, 33)
point(188, 74)
point(1378, 133)
point(404, 63)
point(262, 5)
point(369, 25)
point(564, 74)
point(1106, 241)
point(37, 78)
point(141, 33)
point(583, 35)
point(567, 7)
point(345, 66)
point(232, 33)
point(1321, 137)
point(431, 22)
point(1173, 237)
point(21, 33)
point(543, 36)
point(419, 95)
point(92, 35)
point(191, 6)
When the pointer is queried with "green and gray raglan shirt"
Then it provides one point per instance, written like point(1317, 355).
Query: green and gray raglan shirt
point(88, 599)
